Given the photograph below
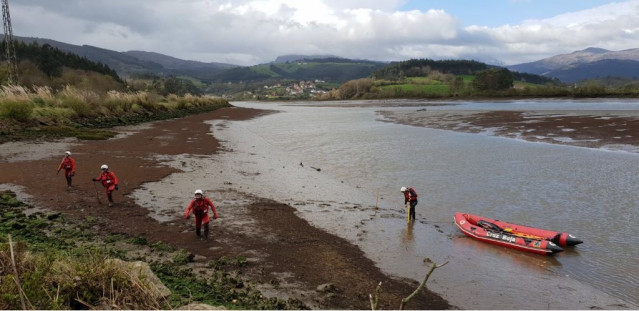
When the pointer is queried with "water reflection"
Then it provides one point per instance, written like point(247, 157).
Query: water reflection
point(501, 254)
point(407, 234)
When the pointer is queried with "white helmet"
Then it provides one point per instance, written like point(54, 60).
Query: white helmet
point(104, 167)
point(198, 191)
point(403, 189)
point(67, 153)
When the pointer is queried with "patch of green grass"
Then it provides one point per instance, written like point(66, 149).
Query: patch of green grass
point(423, 80)
point(437, 89)
point(9, 199)
point(139, 240)
point(182, 257)
point(60, 132)
point(161, 246)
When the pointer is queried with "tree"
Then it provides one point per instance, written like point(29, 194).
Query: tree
point(180, 87)
point(457, 86)
point(493, 79)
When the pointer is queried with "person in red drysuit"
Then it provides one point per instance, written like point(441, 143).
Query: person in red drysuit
point(68, 164)
point(410, 197)
point(199, 206)
point(109, 181)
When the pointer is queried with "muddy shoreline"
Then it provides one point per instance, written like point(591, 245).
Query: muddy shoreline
point(287, 256)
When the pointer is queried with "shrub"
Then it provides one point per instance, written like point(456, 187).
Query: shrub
point(17, 110)
point(58, 114)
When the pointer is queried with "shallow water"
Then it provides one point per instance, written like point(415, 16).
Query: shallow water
point(342, 168)
point(548, 186)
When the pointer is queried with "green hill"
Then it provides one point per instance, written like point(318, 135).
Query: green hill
point(133, 63)
point(334, 70)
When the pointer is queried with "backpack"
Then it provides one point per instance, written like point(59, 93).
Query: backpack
point(413, 193)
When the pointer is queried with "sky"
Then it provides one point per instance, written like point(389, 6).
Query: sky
point(251, 32)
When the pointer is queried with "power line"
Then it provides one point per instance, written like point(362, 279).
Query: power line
point(9, 48)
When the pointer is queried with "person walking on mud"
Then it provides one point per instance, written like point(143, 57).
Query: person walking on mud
point(109, 181)
point(68, 164)
point(199, 206)
point(410, 197)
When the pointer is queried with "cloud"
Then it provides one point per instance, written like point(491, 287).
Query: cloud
point(613, 26)
point(248, 32)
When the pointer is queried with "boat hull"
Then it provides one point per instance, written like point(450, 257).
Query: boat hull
point(562, 239)
point(470, 226)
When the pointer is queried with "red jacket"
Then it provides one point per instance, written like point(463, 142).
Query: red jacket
point(108, 179)
point(410, 195)
point(200, 208)
point(68, 164)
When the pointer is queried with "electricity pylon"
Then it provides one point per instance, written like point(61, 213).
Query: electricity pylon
point(9, 48)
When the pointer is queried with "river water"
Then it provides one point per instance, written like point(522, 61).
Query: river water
point(342, 168)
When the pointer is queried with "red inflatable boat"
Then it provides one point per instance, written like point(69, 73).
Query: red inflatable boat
point(562, 239)
point(509, 235)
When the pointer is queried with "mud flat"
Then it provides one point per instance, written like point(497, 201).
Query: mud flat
point(613, 130)
point(287, 256)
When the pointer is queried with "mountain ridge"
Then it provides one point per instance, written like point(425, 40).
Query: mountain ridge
point(588, 63)
point(135, 62)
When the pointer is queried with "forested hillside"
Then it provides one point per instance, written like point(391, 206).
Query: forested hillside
point(51, 60)
point(421, 67)
point(330, 69)
point(48, 66)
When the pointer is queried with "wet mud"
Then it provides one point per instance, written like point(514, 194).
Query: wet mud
point(613, 130)
point(287, 256)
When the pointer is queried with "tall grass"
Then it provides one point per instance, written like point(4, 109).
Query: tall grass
point(72, 105)
point(55, 280)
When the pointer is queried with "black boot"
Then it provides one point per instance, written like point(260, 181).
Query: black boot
point(197, 232)
point(206, 232)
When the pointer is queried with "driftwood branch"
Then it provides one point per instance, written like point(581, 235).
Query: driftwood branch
point(375, 299)
point(430, 271)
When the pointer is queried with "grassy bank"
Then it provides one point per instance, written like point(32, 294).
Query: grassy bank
point(40, 112)
point(63, 263)
point(447, 86)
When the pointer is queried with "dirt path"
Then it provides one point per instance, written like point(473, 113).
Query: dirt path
point(293, 251)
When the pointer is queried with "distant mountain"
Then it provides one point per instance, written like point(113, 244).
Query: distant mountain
point(590, 63)
point(599, 69)
point(137, 62)
point(331, 69)
point(314, 67)
point(296, 57)
point(176, 66)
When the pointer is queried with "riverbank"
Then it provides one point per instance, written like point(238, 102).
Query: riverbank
point(286, 256)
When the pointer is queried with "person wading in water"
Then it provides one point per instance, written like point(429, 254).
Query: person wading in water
point(410, 196)
point(199, 206)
